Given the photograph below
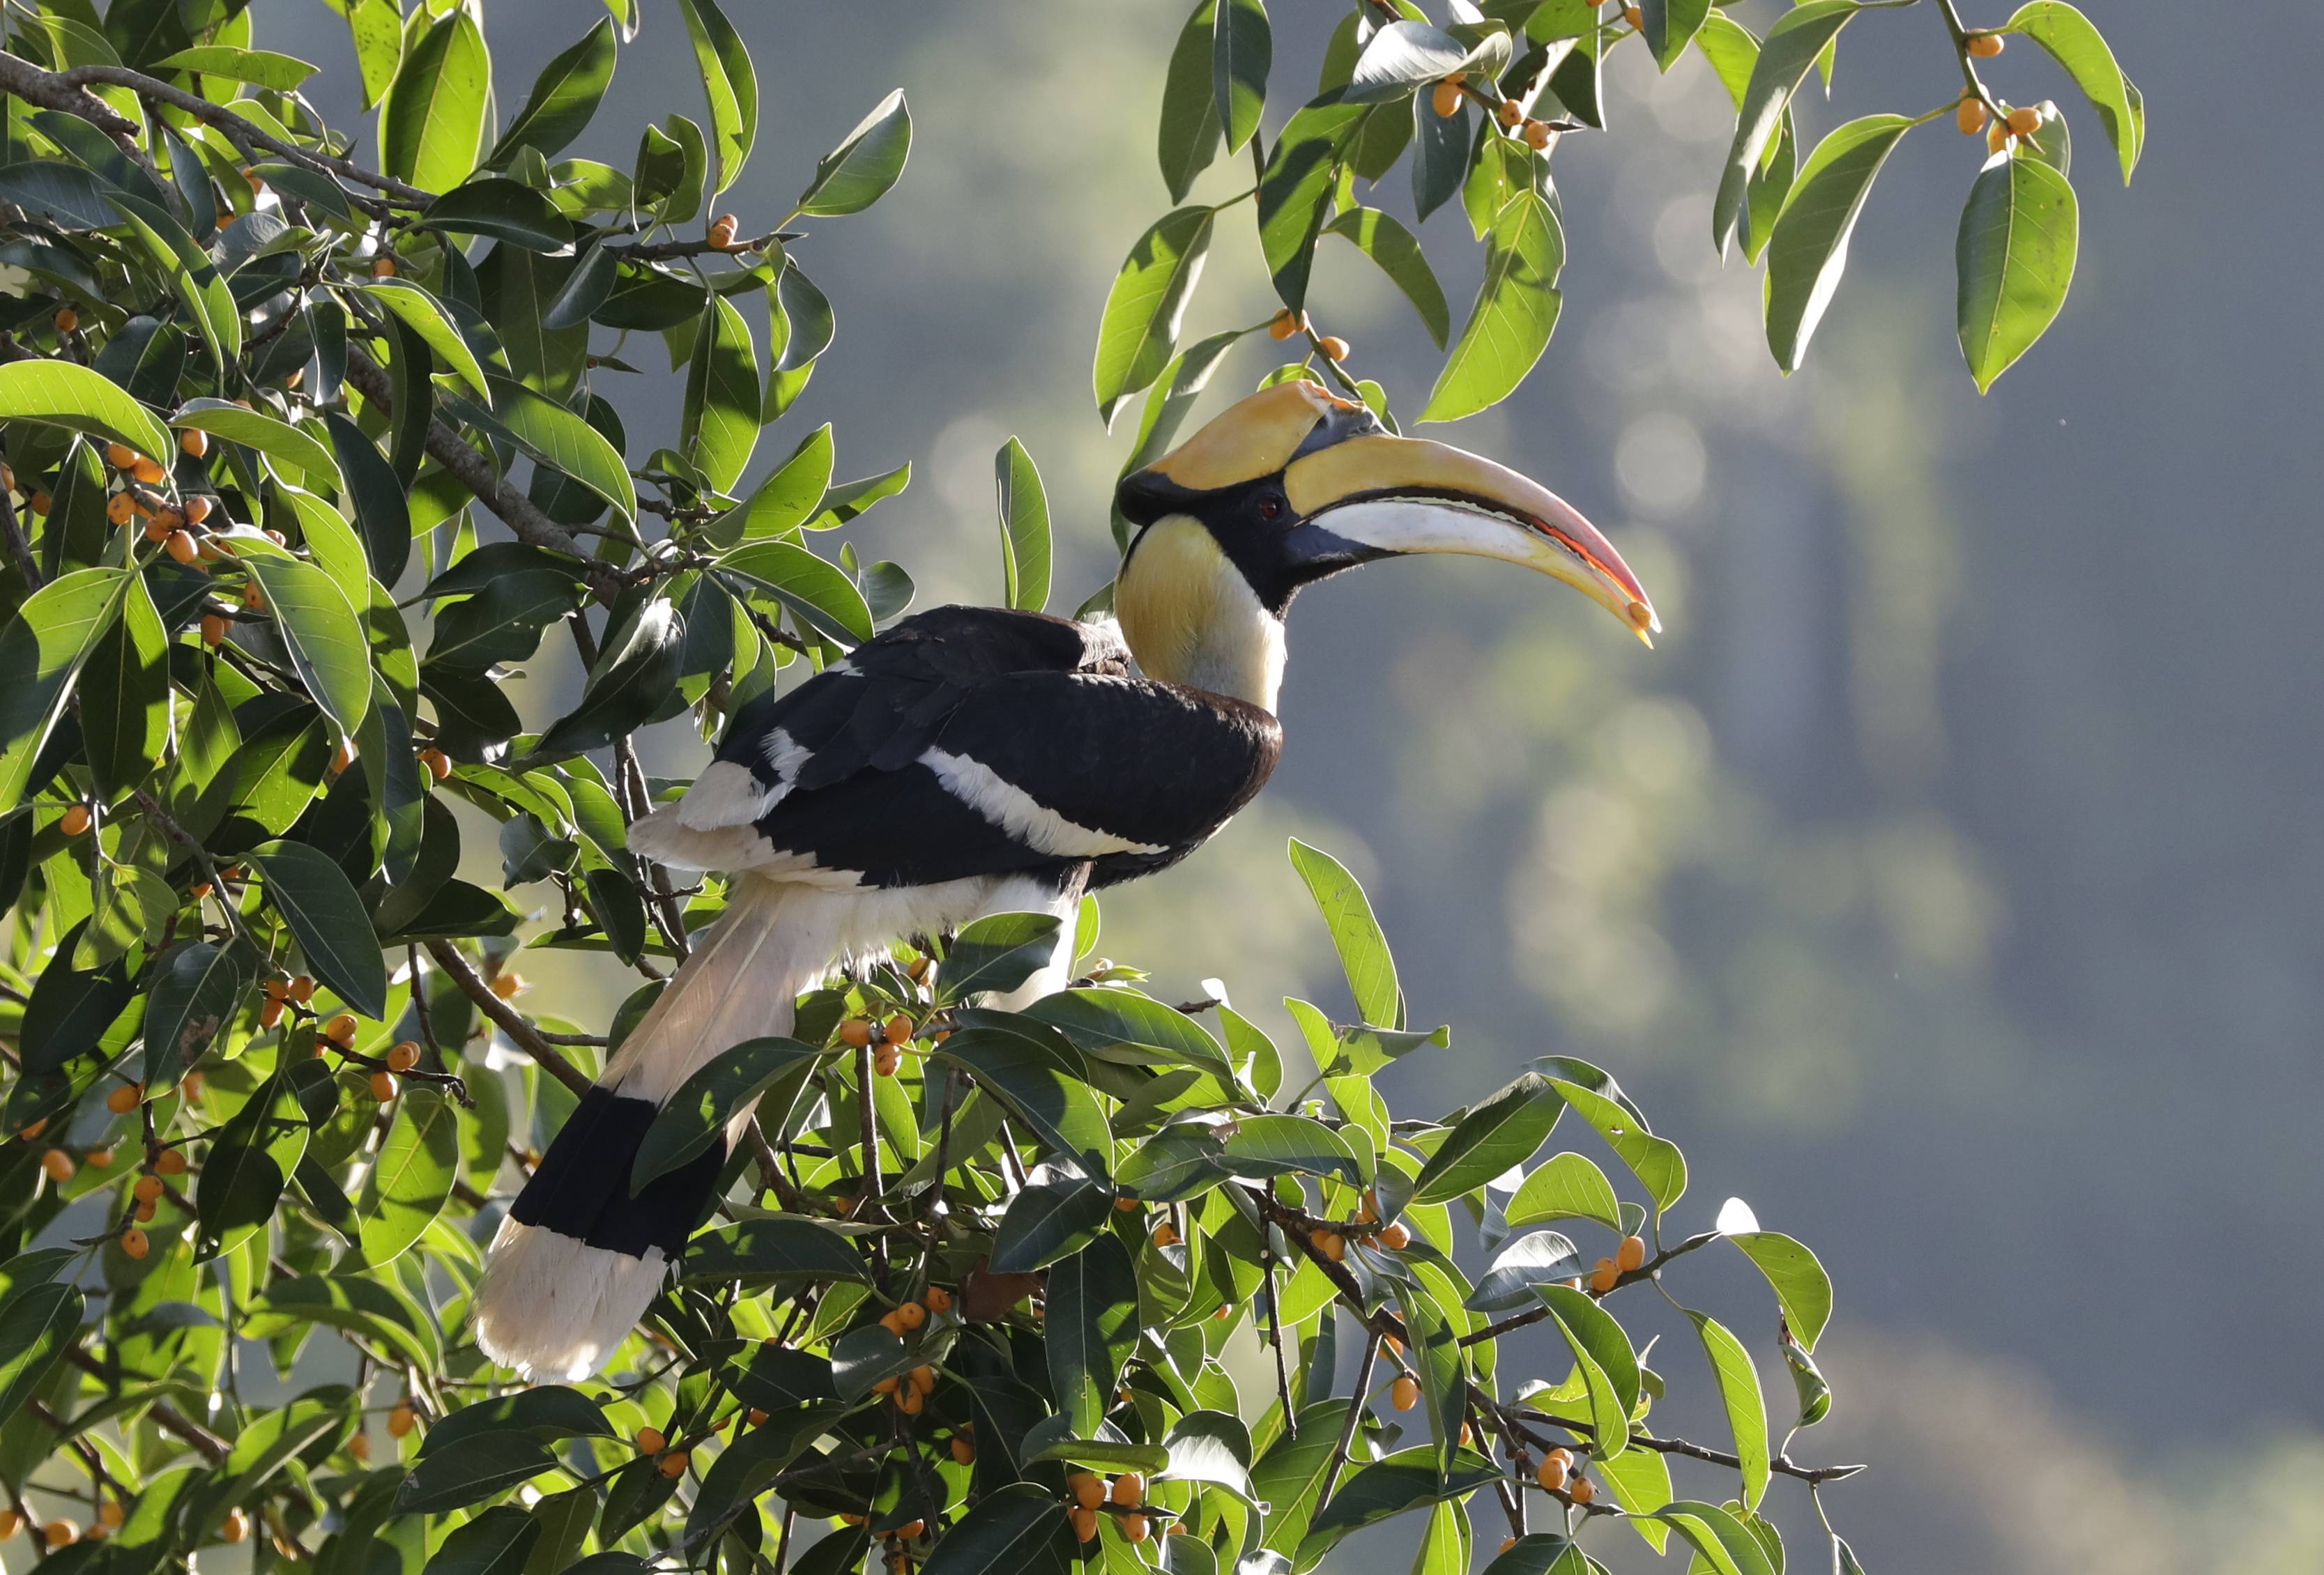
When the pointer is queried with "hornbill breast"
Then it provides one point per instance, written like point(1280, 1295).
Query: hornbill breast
point(969, 741)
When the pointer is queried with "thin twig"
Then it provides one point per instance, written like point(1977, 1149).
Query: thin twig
point(509, 1021)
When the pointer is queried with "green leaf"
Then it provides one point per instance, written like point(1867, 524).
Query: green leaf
point(818, 592)
point(1278, 1144)
point(1140, 326)
point(382, 507)
point(1396, 250)
point(2016, 261)
point(196, 987)
point(546, 1412)
point(497, 1542)
point(787, 500)
point(1603, 1355)
point(997, 952)
point(1289, 1475)
point(1792, 46)
point(1541, 1258)
point(431, 119)
point(42, 651)
point(784, 1248)
point(59, 393)
point(564, 99)
point(1567, 1186)
point(1516, 311)
point(2076, 43)
point(1021, 1530)
point(1640, 1481)
point(1499, 1131)
point(563, 441)
point(1445, 1546)
point(1052, 1216)
point(1732, 50)
point(1091, 1331)
point(631, 681)
point(1404, 56)
point(425, 316)
point(1295, 194)
point(1802, 1287)
point(417, 1162)
point(1243, 47)
point(191, 272)
point(857, 173)
point(330, 922)
point(259, 67)
point(1388, 1488)
point(1024, 528)
point(275, 439)
point(745, 1467)
point(249, 1164)
point(1658, 1164)
point(1212, 1448)
point(321, 635)
point(470, 1471)
point(1435, 1354)
point(695, 1118)
point(1115, 1023)
point(1809, 249)
point(1355, 933)
point(1541, 1553)
point(1190, 131)
point(1738, 1391)
point(1019, 1072)
point(1724, 1543)
point(36, 1326)
point(124, 696)
point(1808, 1382)
point(504, 210)
point(1670, 26)
point(728, 83)
point(718, 425)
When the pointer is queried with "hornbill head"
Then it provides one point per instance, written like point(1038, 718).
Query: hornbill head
point(1294, 484)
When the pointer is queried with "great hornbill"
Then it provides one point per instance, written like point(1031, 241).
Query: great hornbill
point(972, 760)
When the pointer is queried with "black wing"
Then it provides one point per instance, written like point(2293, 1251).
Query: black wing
point(970, 742)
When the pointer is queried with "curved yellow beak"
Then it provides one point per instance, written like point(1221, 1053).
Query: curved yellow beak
point(1408, 496)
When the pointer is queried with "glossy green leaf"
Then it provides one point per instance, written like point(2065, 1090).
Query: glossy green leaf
point(1801, 1285)
point(259, 67)
point(2076, 43)
point(563, 441)
point(1190, 132)
point(275, 439)
point(858, 172)
point(332, 925)
point(209, 302)
point(729, 82)
point(502, 210)
point(1541, 1553)
point(1640, 1481)
point(2014, 259)
point(249, 1162)
point(497, 1542)
point(1658, 1164)
point(1566, 1186)
point(1808, 1384)
point(1019, 1530)
point(381, 509)
point(124, 696)
point(1719, 1540)
point(425, 316)
point(321, 635)
point(59, 393)
point(1289, 1476)
point(1140, 328)
point(632, 680)
point(43, 652)
point(783, 1247)
point(1792, 46)
point(196, 987)
point(1433, 1349)
point(412, 1175)
point(1738, 1390)
point(1090, 1329)
point(1733, 50)
point(1404, 56)
point(431, 118)
point(1024, 528)
point(1404, 1480)
point(1670, 25)
point(1808, 252)
point(470, 1471)
point(1356, 935)
point(1295, 195)
point(1398, 251)
point(1603, 1356)
point(37, 1325)
point(1516, 311)
point(693, 1119)
point(1060, 1109)
point(997, 952)
point(1499, 1131)
point(818, 592)
point(744, 1469)
point(788, 499)
point(1052, 1216)
point(564, 99)
point(718, 425)
point(1541, 1258)
point(1243, 48)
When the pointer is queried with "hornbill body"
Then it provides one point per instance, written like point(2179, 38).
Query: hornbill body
point(974, 760)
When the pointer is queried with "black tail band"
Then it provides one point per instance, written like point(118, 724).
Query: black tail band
point(581, 1188)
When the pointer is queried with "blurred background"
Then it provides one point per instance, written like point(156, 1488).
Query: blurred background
point(1948, 882)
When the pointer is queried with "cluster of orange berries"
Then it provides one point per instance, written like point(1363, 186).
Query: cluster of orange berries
point(174, 525)
point(722, 231)
point(1558, 1474)
point(1284, 324)
point(1629, 1256)
point(1091, 1492)
point(891, 1038)
point(1513, 119)
point(438, 764)
point(281, 993)
point(670, 1462)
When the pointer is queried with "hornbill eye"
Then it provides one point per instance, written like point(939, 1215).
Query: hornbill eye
point(1270, 508)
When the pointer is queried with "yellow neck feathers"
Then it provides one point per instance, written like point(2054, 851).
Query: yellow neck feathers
point(1191, 618)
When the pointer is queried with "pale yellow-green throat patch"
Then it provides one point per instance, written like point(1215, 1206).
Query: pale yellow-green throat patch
point(1191, 618)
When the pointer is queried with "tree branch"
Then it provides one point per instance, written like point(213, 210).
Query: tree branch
point(509, 1020)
